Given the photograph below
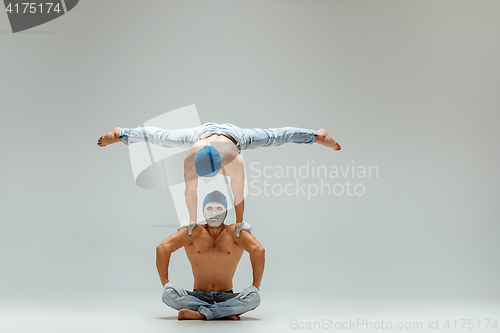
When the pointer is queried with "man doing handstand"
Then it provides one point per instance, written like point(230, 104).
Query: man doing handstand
point(214, 149)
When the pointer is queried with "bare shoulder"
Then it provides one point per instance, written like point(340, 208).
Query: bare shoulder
point(235, 167)
point(231, 158)
point(183, 232)
point(198, 145)
point(247, 241)
point(190, 169)
point(181, 238)
point(197, 231)
point(189, 158)
point(231, 229)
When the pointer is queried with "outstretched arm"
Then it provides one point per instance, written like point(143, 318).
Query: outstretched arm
point(191, 180)
point(170, 245)
point(257, 254)
point(236, 171)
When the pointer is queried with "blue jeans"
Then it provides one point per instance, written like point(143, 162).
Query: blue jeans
point(212, 304)
point(243, 138)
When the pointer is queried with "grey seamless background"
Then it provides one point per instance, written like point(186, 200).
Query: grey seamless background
point(411, 87)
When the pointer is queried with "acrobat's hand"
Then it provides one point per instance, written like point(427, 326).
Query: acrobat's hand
point(248, 290)
point(188, 224)
point(243, 226)
point(181, 291)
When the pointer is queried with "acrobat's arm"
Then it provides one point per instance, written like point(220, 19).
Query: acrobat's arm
point(237, 173)
point(191, 180)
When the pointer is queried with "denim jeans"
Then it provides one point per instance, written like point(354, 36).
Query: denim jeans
point(243, 138)
point(212, 304)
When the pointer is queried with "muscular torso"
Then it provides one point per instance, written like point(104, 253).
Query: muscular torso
point(214, 260)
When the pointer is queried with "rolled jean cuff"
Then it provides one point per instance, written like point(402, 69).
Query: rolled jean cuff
point(315, 136)
point(206, 312)
point(124, 135)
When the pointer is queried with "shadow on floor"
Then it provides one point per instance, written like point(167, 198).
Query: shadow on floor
point(242, 318)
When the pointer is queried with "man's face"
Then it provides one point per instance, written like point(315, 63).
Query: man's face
point(214, 213)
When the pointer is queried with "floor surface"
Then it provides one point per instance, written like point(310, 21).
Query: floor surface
point(148, 315)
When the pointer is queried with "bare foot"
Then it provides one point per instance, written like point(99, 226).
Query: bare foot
point(110, 137)
point(187, 314)
point(326, 140)
point(232, 317)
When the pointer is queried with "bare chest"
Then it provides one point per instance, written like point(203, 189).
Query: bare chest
point(207, 246)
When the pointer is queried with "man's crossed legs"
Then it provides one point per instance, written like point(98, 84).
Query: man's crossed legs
point(210, 304)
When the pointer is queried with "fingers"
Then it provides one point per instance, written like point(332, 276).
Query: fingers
point(178, 289)
point(242, 295)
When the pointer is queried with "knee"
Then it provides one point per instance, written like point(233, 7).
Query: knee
point(170, 298)
point(253, 300)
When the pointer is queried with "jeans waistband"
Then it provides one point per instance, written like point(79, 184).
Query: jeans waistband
point(216, 129)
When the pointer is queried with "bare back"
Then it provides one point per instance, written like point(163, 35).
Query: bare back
point(214, 261)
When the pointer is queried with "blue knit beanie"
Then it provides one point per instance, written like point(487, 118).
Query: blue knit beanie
point(215, 196)
point(207, 162)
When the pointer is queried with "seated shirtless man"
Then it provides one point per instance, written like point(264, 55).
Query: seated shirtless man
point(215, 150)
point(214, 251)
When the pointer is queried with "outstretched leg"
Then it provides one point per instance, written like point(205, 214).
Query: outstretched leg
point(182, 138)
point(256, 137)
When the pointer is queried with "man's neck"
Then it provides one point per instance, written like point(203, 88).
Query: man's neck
point(215, 231)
